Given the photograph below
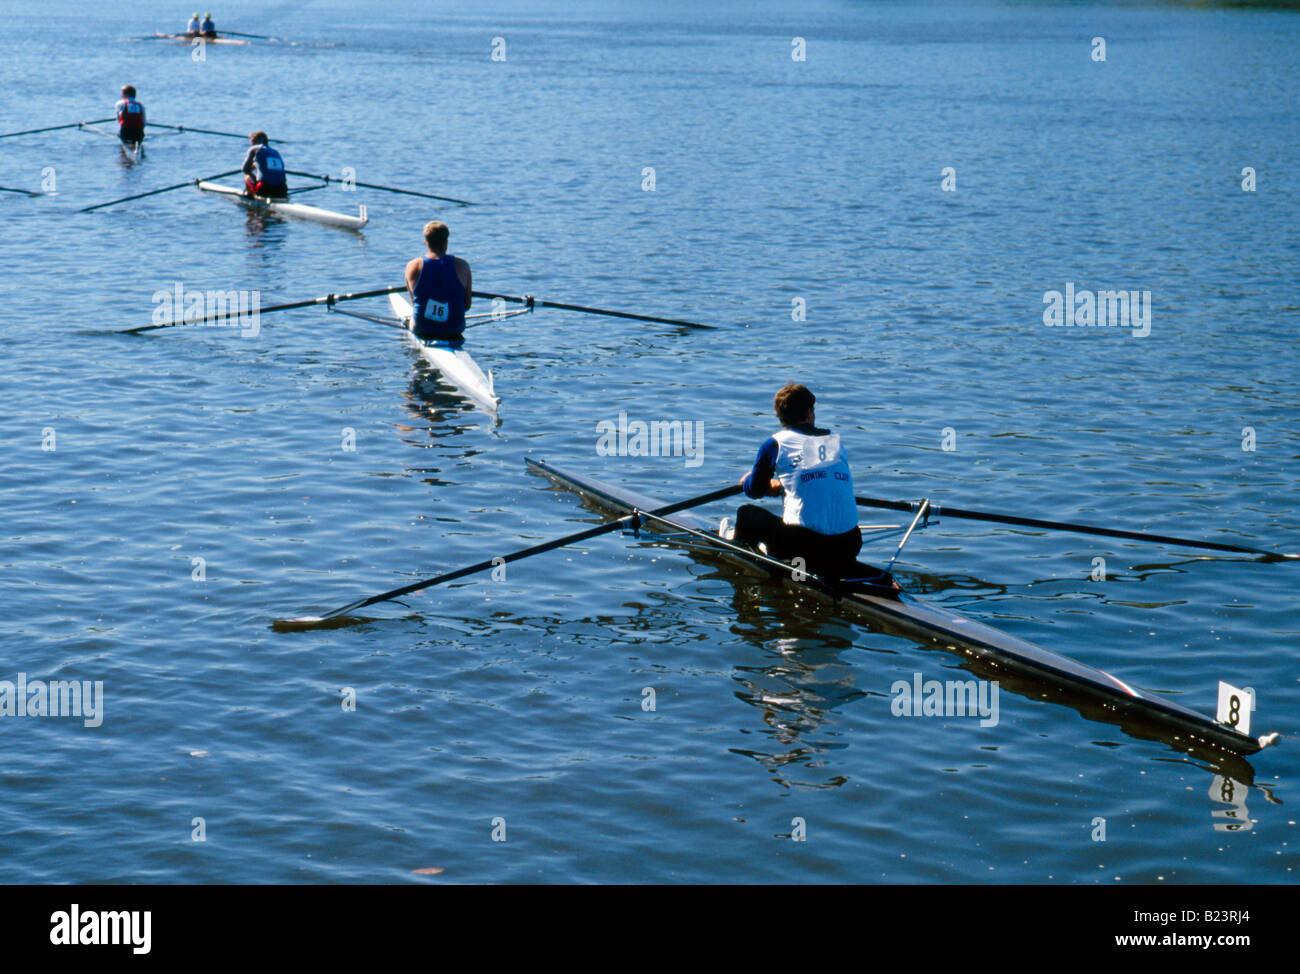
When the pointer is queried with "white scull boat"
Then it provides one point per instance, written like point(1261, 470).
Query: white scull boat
point(286, 208)
point(455, 364)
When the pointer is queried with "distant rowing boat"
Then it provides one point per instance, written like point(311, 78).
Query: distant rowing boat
point(454, 364)
point(286, 208)
point(191, 38)
point(132, 150)
point(908, 616)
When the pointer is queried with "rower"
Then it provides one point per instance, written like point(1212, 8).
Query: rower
point(440, 287)
point(208, 29)
point(264, 169)
point(130, 117)
point(193, 28)
point(807, 465)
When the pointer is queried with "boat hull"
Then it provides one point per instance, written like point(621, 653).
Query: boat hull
point(298, 211)
point(455, 364)
point(206, 40)
point(908, 616)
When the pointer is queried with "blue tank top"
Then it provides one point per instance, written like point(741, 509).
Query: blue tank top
point(268, 167)
point(439, 300)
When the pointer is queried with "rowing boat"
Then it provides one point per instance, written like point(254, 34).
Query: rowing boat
point(196, 37)
point(454, 363)
point(284, 208)
point(905, 615)
point(132, 150)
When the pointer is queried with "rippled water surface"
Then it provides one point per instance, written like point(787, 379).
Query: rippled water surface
point(521, 701)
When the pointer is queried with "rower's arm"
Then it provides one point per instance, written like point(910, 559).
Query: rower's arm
point(413, 276)
point(761, 481)
point(466, 279)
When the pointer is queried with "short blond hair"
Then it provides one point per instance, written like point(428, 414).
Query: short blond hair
point(436, 235)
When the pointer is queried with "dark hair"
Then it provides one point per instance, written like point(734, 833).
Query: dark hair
point(792, 402)
point(128, 90)
point(436, 235)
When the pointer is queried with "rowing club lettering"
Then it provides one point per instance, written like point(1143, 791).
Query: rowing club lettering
point(213, 309)
point(658, 438)
point(951, 698)
point(1098, 309)
point(810, 475)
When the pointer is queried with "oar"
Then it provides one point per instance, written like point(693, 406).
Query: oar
point(187, 128)
point(1029, 522)
point(55, 128)
point(308, 622)
point(10, 189)
point(328, 300)
point(386, 189)
point(260, 37)
point(155, 192)
point(529, 300)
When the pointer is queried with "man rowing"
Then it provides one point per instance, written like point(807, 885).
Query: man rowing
point(807, 465)
point(193, 28)
point(208, 29)
point(440, 286)
point(130, 117)
point(263, 169)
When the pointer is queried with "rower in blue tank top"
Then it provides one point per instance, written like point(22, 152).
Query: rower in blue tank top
point(440, 286)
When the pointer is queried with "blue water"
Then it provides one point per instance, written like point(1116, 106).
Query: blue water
point(519, 701)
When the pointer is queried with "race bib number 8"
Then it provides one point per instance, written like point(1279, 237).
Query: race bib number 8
point(820, 451)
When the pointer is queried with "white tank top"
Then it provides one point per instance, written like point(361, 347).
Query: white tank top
point(817, 480)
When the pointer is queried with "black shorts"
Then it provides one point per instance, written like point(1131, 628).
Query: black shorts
point(831, 556)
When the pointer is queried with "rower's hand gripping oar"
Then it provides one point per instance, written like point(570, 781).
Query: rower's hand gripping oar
point(1030, 522)
point(630, 520)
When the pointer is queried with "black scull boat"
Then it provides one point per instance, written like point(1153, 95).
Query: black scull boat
point(903, 614)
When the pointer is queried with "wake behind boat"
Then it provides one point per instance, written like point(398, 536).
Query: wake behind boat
point(299, 211)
